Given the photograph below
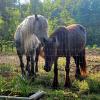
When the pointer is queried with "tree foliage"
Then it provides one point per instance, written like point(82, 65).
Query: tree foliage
point(58, 12)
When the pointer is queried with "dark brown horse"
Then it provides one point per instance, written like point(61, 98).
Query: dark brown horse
point(66, 42)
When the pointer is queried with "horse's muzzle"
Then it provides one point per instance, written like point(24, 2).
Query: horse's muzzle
point(47, 69)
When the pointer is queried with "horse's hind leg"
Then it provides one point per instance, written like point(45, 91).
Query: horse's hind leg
point(67, 81)
point(83, 64)
point(76, 59)
point(28, 64)
point(21, 63)
point(36, 59)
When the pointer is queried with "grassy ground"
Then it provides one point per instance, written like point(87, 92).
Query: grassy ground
point(88, 89)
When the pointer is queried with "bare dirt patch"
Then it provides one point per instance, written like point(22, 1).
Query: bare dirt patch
point(92, 57)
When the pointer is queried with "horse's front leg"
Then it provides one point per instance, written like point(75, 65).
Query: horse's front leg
point(21, 63)
point(32, 59)
point(55, 80)
point(28, 64)
point(67, 80)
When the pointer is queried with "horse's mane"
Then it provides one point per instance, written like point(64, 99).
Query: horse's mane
point(31, 25)
point(61, 29)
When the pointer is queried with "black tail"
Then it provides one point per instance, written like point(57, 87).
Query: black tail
point(83, 63)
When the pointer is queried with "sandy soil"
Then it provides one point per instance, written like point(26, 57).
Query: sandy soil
point(92, 57)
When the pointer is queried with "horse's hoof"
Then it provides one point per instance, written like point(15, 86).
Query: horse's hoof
point(22, 77)
point(55, 85)
point(78, 77)
point(35, 75)
point(36, 70)
point(32, 78)
point(82, 78)
point(67, 85)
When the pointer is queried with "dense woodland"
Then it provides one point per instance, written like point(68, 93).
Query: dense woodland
point(58, 12)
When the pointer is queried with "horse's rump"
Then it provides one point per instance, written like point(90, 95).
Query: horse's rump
point(76, 38)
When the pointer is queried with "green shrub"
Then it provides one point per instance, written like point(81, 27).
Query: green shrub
point(94, 46)
point(2, 84)
point(21, 85)
point(81, 86)
point(94, 83)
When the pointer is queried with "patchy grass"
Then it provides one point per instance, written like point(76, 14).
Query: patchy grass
point(2, 84)
point(94, 83)
point(6, 68)
point(88, 89)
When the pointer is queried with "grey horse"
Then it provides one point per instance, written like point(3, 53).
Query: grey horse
point(29, 39)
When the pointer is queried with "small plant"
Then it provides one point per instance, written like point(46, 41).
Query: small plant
point(94, 46)
point(2, 84)
point(21, 85)
point(81, 86)
point(94, 83)
point(6, 68)
point(69, 94)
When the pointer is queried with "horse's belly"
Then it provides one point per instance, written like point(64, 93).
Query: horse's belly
point(61, 53)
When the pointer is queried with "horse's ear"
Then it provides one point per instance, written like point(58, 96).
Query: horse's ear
point(36, 16)
point(44, 40)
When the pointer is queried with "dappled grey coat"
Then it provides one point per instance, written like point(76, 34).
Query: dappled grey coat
point(24, 37)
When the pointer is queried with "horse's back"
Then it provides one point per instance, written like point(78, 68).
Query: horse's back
point(76, 28)
point(76, 37)
point(72, 39)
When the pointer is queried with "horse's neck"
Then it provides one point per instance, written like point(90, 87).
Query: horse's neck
point(28, 43)
point(27, 37)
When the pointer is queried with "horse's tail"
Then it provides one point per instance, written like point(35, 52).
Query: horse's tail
point(83, 66)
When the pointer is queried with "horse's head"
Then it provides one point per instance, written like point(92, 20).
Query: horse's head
point(50, 51)
point(41, 27)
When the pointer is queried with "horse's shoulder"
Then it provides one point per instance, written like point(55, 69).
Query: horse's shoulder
point(61, 29)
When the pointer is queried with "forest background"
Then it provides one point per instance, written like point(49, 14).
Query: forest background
point(58, 12)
